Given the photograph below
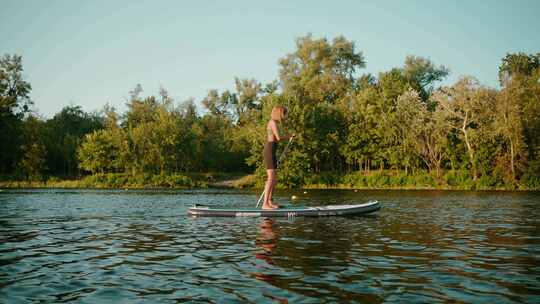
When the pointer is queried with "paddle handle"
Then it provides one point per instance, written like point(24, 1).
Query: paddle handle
point(260, 198)
point(279, 161)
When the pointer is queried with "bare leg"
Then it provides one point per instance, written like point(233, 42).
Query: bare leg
point(268, 188)
point(273, 186)
point(270, 191)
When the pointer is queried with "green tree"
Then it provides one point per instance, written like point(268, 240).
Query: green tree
point(317, 79)
point(14, 103)
point(14, 91)
point(413, 125)
point(530, 111)
point(424, 131)
point(508, 125)
point(32, 164)
point(191, 158)
point(219, 104)
point(390, 86)
point(319, 71)
point(467, 108)
point(422, 74)
point(64, 133)
point(518, 65)
point(362, 140)
point(248, 93)
point(518, 108)
point(98, 153)
point(146, 134)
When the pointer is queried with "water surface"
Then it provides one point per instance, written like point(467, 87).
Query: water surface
point(109, 246)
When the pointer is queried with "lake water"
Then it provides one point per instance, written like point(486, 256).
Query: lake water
point(107, 246)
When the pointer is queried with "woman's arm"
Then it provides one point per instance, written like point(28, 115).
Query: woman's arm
point(275, 130)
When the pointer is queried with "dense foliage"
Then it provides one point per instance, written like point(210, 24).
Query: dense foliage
point(348, 125)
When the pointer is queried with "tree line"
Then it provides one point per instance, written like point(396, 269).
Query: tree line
point(346, 121)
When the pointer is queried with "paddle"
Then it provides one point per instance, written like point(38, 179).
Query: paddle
point(279, 161)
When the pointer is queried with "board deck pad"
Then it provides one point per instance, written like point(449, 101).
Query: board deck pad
point(332, 210)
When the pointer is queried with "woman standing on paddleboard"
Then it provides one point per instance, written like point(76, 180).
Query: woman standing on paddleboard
point(279, 113)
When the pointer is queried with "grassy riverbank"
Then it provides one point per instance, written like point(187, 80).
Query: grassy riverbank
point(114, 180)
point(392, 179)
point(451, 180)
point(388, 179)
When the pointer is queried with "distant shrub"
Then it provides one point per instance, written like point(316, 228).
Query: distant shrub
point(324, 178)
point(121, 180)
point(462, 179)
point(53, 179)
point(486, 182)
point(531, 178)
point(354, 180)
point(426, 179)
point(531, 182)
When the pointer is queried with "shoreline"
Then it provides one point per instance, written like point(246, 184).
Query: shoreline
point(24, 186)
point(237, 180)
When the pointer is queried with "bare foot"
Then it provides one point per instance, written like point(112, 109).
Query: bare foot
point(272, 205)
point(268, 207)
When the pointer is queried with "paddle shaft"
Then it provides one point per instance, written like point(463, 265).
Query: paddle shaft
point(279, 161)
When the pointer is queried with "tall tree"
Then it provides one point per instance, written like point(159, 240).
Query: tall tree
point(422, 74)
point(319, 71)
point(518, 112)
point(248, 93)
point(466, 106)
point(423, 132)
point(32, 164)
point(14, 91)
point(518, 65)
point(509, 126)
point(14, 103)
point(362, 140)
point(519, 75)
point(64, 133)
point(219, 104)
point(98, 153)
point(315, 78)
point(411, 123)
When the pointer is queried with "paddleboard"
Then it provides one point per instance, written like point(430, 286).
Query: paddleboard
point(335, 210)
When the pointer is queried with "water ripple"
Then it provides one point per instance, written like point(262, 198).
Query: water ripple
point(91, 246)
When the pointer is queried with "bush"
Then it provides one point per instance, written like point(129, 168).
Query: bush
point(531, 178)
point(460, 179)
point(121, 180)
point(355, 180)
point(53, 180)
point(426, 180)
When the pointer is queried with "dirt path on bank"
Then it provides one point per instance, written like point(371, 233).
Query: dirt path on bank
point(239, 181)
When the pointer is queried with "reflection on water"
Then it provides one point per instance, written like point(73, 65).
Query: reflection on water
point(129, 246)
point(266, 240)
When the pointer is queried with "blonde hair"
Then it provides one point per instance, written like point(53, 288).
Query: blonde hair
point(278, 113)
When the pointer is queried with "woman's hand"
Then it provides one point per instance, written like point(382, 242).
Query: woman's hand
point(291, 136)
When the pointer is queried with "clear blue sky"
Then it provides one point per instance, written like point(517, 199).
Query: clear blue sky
point(92, 52)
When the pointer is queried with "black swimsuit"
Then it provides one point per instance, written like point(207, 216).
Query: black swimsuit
point(269, 155)
point(269, 152)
